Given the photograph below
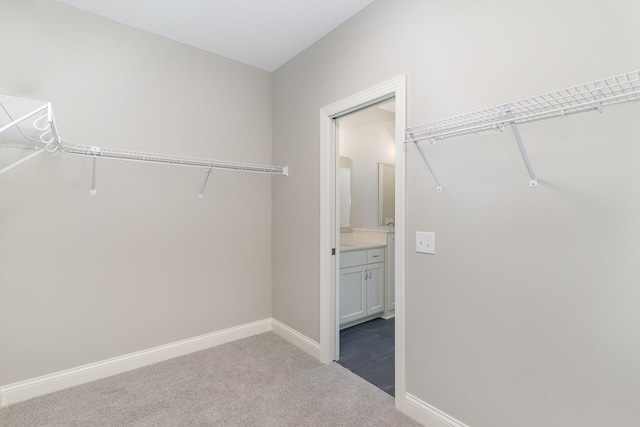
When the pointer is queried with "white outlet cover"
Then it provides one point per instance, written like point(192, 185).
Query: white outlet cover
point(425, 242)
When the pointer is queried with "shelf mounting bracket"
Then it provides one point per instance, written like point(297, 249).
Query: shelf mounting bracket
point(24, 159)
point(93, 178)
point(533, 180)
point(426, 161)
point(204, 184)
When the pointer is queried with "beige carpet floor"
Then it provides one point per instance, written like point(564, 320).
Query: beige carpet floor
point(258, 381)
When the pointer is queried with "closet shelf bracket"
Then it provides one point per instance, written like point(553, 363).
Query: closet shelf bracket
point(533, 180)
point(426, 161)
point(204, 184)
point(93, 178)
point(24, 159)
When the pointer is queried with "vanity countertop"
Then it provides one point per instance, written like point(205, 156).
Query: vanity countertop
point(356, 246)
point(347, 243)
point(379, 229)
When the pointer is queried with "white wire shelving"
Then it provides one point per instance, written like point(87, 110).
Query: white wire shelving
point(27, 124)
point(30, 124)
point(592, 96)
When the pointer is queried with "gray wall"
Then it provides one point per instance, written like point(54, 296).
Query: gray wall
point(526, 316)
point(144, 262)
point(528, 313)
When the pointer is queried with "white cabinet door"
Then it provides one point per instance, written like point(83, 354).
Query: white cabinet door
point(391, 271)
point(374, 275)
point(352, 293)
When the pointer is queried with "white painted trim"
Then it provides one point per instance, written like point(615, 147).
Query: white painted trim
point(296, 338)
point(427, 415)
point(329, 233)
point(401, 236)
point(45, 384)
point(328, 239)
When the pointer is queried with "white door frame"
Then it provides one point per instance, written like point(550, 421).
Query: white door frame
point(330, 232)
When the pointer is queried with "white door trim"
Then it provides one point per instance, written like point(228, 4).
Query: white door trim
point(329, 232)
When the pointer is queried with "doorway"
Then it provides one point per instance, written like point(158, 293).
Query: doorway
point(366, 190)
point(330, 221)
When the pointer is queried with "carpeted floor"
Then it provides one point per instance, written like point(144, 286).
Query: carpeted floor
point(258, 381)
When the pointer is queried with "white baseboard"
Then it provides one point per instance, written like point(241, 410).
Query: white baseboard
point(28, 389)
point(427, 415)
point(17, 392)
point(296, 338)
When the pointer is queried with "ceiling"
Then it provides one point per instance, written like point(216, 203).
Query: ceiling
point(261, 33)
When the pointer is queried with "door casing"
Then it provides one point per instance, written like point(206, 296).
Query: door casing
point(329, 222)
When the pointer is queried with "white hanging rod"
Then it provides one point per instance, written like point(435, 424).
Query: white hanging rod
point(577, 99)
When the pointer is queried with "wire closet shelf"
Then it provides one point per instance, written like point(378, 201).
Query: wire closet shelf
point(577, 99)
point(141, 156)
point(592, 96)
point(30, 124)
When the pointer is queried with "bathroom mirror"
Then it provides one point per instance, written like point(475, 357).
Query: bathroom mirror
point(386, 194)
point(345, 192)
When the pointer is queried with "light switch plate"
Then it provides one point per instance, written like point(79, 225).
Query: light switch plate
point(425, 242)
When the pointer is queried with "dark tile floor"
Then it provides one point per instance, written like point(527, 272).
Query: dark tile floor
point(368, 350)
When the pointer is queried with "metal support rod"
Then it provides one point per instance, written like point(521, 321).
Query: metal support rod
point(93, 178)
point(533, 180)
point(13, 165)
point(26, 116)
point(424, 157)
point(11, 118)
point(204, 184)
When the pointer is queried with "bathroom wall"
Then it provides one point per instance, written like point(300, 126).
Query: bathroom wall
point(367, 137)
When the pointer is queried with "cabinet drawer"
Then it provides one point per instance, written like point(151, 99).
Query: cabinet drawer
point(353, 258)
point(375, 255)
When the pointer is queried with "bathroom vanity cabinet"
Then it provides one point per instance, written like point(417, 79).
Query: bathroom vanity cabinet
point(362, 284)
